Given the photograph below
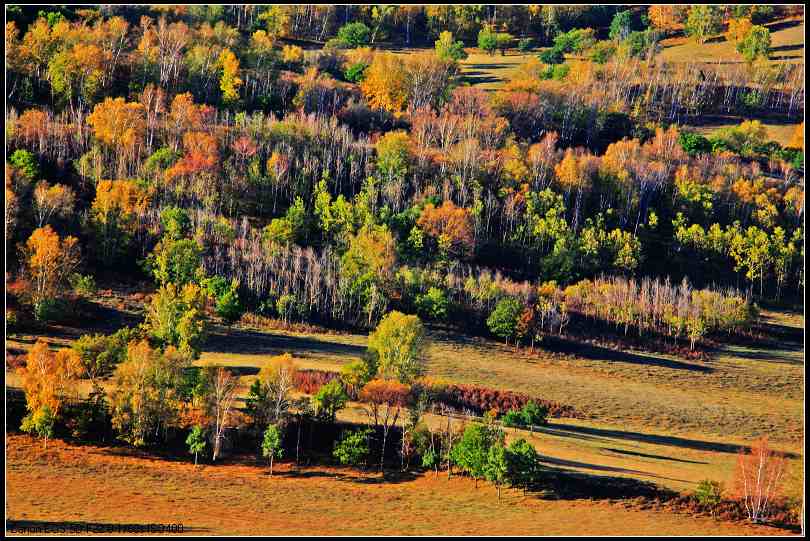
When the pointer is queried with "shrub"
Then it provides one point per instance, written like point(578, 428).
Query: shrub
point(355, 73)
point(534, 413)
point(352, 447)
point(83, 285)
point(552, 56)
point(512, 418)
point(694, 143)
point(709, 494)
point(602, 52)
point(433, 305)
point(525, 45)
point(354, 34)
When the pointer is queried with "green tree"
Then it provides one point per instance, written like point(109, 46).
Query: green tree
point(496, 469)
point(755, 44)
point(226, 298)
point(471, 453)
point(176, 317)
point(330, 399)
point(523, 464)
point(488, 40)
point(449, 49)
point(40, 422)
point(621, 25)
point(397, 346)
point(271, 445)
point(503, 320)
point(176, 261)
point(352, 447)
point(703, 21)
point(196, 442)
point(354, 34)
point(433, 305)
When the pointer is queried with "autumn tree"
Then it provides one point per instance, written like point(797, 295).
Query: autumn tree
point(146, 399)
point(758, 478)
point(114, 213)
point(451, 227)
point(229, 82)
point(386, 398)
point(48, 379)
point(49, 261)
point(666, 18)
point(277, 379)
point(222, 387)
point(397, 345)
point(52, 200)
point(120, 126)
point(386, 84)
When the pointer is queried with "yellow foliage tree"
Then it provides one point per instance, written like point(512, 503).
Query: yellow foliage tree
point(49, 261)
point(230, 81)
point(386, 83)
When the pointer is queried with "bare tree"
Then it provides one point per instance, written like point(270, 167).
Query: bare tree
point(758, 478)
point(220, 403)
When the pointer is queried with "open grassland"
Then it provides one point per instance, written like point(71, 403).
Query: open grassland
point(115, 486)
point(787, 45)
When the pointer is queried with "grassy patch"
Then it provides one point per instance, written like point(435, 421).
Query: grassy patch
point(88, 484)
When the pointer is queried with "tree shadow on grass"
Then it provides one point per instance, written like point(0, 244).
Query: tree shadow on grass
point(70, 527)
point(673, 441)
point(599, 353)
point(559, 484)
point(655, 457)
point(563, 463)
point(242, 341)
point(364, 477)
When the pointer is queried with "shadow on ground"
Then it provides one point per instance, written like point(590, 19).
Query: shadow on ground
point(243, 341)
point(566, 430)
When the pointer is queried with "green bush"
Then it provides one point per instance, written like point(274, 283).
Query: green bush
point(356, 72)
point(354, 34)
point(552, 56)
point(709, 494)
point(352, 447)
point(433, 305)
point(524, 45)
point(694, 143)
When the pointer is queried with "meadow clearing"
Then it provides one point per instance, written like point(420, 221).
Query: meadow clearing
point(645, 418)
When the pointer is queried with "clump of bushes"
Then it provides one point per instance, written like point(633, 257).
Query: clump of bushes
point(532, 414)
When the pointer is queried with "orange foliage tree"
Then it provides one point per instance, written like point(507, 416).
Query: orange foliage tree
point(48, 378)
point(49, 261)
point(114, 212)
point(450, 226)
point(120, 126)
point(758, 478)
point(386, 398)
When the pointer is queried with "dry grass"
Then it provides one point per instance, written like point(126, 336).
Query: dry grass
point(650, 418)
point(113, 486)
point(787, 45)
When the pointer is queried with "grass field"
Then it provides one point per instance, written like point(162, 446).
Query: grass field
point(112, 486)
point(645, 417)
point(787, 45)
